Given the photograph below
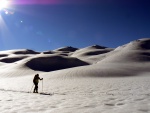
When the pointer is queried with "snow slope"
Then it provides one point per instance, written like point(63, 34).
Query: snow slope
point(93, 79)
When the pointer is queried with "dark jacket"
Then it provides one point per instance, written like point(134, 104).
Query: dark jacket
point(36, 79)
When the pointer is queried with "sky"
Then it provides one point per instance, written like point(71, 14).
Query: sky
point(43, 25)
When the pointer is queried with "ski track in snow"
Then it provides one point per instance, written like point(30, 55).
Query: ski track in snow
point(90, 95)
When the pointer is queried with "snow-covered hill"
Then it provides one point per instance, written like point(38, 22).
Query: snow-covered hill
point(94, 79)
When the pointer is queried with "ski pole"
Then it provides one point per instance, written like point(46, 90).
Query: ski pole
point(42, 85)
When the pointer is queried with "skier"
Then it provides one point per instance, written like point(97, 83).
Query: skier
point(36, 81)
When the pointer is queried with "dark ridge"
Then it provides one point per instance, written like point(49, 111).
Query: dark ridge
point(98, 47)
point(139, 44)
point(58, 53)
point(26, 52)
point(53, 63)
point(48, 52)
point(145, 44)
point(63, 54)
point(11, 60)
point(68, 49)
point(3, 55)
point(97, 52)
point(144, 56)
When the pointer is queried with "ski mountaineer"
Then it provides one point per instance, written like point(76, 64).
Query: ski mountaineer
point(36, 81)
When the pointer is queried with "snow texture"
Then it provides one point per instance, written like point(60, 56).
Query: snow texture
point(93, 79)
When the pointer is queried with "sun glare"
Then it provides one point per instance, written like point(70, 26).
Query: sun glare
point(3, 4)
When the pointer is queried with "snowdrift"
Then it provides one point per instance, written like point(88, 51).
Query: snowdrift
point(94, 61)
point(53, 62)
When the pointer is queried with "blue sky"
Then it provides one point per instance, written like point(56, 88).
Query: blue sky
point(48, 25)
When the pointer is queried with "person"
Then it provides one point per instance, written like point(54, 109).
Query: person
point(36, 81)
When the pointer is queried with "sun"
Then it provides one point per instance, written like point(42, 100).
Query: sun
point(3, 4)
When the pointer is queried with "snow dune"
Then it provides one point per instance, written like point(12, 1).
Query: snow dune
point(93, 79)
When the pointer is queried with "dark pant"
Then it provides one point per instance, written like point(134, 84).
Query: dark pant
point(35, 88)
